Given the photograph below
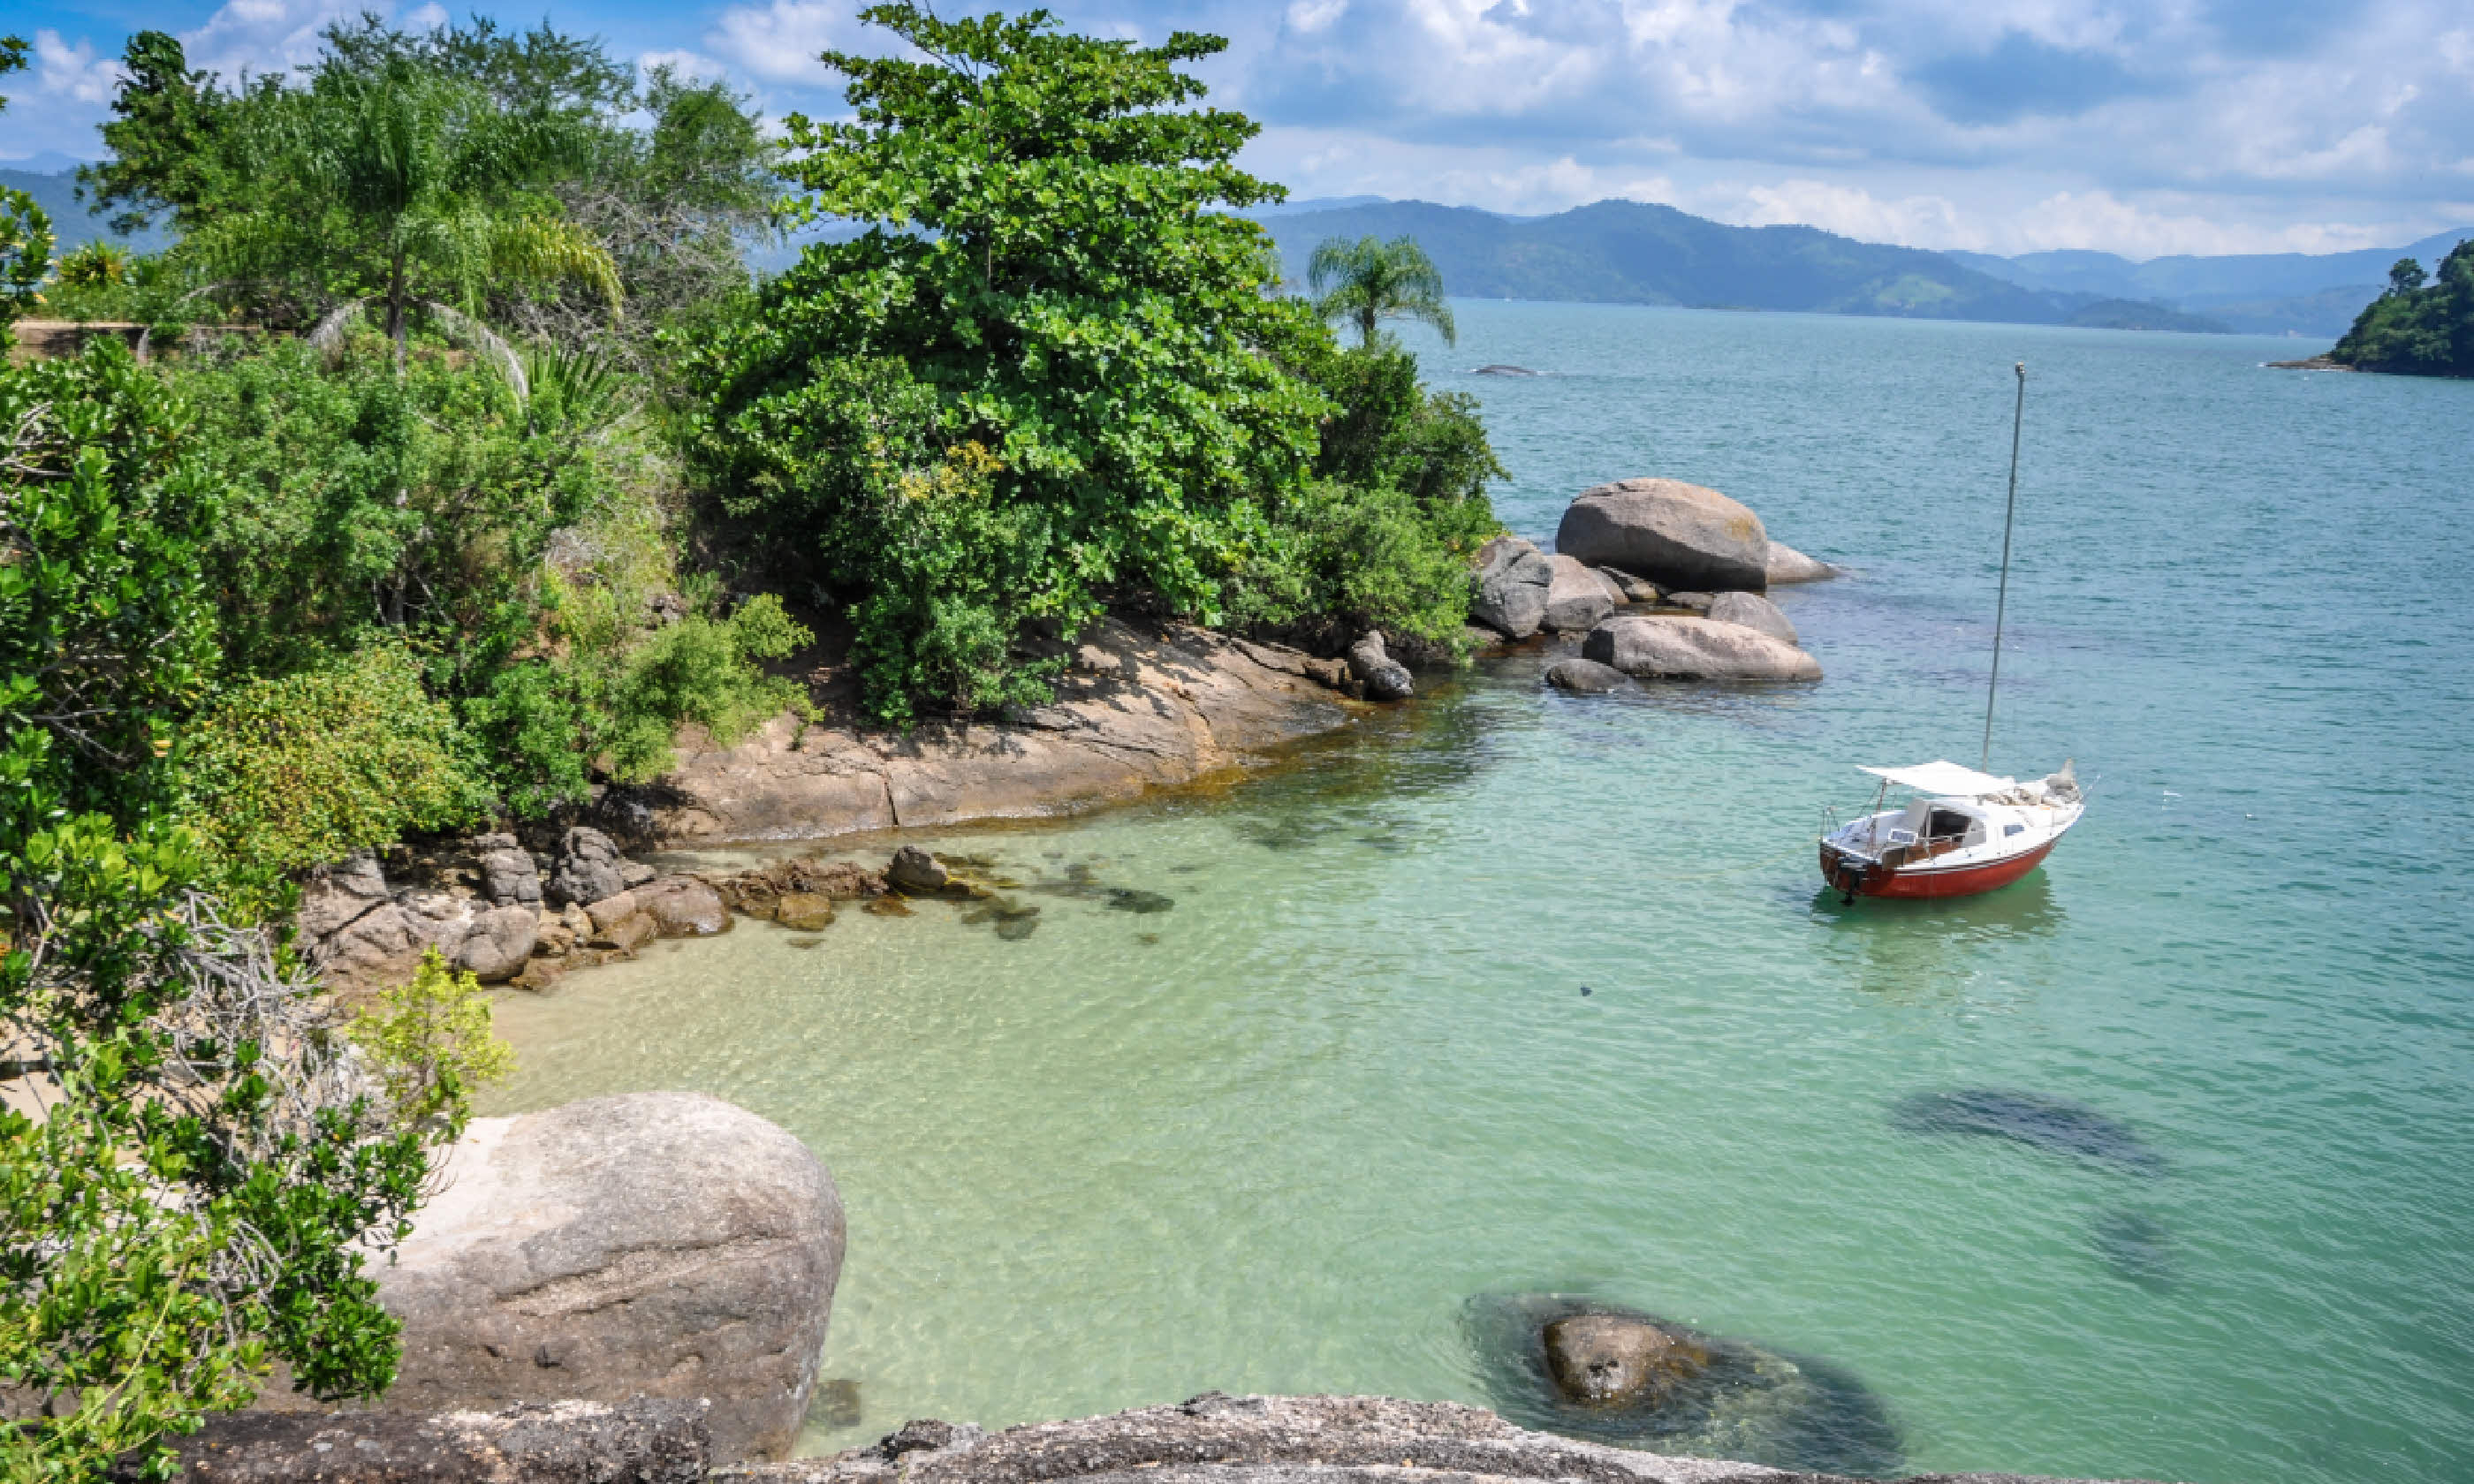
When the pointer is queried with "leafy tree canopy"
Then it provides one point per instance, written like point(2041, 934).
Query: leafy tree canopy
point(2423, 329)
point(1049, 348)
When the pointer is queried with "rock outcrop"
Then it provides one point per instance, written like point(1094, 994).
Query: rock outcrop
point(1137, 709)
point(1577, 599)
point(1787, 564)
point(1218, 1439)
point(362, 935)
point(659, 1244)
point(588, 869)
point(1753, 611)
point(509, 878)
point(1513, 578)
point(1674, 534)
point(553, 1443)
point(1674, 647)
point(1586, 676)
point(1628, 588)
point(1384, 677)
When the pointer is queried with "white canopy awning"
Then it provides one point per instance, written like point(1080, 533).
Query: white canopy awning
point(1947, 778)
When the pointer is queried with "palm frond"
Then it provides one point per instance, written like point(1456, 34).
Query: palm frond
point(464, 328)
point(327, 336)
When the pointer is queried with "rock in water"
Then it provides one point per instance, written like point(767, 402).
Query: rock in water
point(2055, 1125)
point(1753, 611)
point(658, 1244)
point(587, 869)
point(1697, 602)
point(1787, 564)
point(2136, 1246)
point(1576, 599)
point(1731, 1399)
point(803, 912)
point(1512, 580)
point(1615, 1359)
point(499, 942)
point(1674, 534)
point(1586, 676)
point(1384, 677)
point(1667, 647)
point(1505, 370)
point(914, 869)
point(682, 907)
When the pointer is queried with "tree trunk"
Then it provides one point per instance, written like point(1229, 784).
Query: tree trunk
point(395, 309)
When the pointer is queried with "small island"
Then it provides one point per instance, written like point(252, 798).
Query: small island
point(2418, 326)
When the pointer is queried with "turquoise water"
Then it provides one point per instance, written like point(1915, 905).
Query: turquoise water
point(1277, 1137)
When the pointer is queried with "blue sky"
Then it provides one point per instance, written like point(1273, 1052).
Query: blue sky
point(2004, 125)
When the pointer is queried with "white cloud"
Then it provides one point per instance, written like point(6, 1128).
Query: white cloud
point(264, 36)
point(1851, 211)
point(73, 72)
point(686, 63)
point(1308, 17)
point(2100, 221)
point(780, 40)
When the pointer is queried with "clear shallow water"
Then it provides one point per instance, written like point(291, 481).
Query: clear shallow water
point(1276, 1138)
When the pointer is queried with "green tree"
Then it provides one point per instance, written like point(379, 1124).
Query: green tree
point(169, 137)
point(25, 228)
point(1045, 276)
point(1369, 280)
point(2418, 327)
point(205, 1179)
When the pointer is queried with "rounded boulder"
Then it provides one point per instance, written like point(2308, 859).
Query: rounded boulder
point(1672, 647)
point(1753, 611)
point(1674, 534)
point(1577, 598)
point(657, 1244)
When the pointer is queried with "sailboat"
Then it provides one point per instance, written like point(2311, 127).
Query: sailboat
point(1962, 831)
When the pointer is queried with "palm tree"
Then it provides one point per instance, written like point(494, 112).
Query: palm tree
point(1370, 279)
point(404, 190)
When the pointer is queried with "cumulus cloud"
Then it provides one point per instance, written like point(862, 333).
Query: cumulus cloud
point(779, 42)
point(265, 36)
point(73, 72)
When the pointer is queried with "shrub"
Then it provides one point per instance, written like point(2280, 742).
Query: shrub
point(289, 773)
point(429, 1042)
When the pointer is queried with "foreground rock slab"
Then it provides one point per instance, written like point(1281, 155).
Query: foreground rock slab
point(658, 1244)
point(1674, 534)
point(553, 1443)
point(1217, 1439)
point(1673, 647)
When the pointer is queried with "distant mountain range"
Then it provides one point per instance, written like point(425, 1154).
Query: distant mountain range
point(56, 192)
point(1628, 252)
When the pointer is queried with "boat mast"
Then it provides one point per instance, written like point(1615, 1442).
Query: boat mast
point(2002, 603)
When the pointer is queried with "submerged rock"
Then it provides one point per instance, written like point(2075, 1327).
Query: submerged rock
point(2052, 1124)
point(2136, 1246)
point(1674, 647)
point(1753, 611)
point(803, 912)
point(1677, 534)
point(1709, 1396)
point(1124, 898)
point(1586, 676)
point(1787, 564)
point(1505, 370)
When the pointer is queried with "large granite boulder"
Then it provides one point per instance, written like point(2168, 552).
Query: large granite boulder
point(495, 942)
point(1577, 598)
point(1753, 611)
point(658, 1244)
point(1672, 647)
point(1786, 565)
point(588, 869)
point(1674, 534)
point(1513, 578)
point(1218, 1439)
point(1384, 677)
point(552, 1442)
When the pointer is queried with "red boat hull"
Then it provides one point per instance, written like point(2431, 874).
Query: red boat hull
point(1921, 879)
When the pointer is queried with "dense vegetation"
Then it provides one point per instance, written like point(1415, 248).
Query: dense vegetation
point(2421, 325)
point(465, 463)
